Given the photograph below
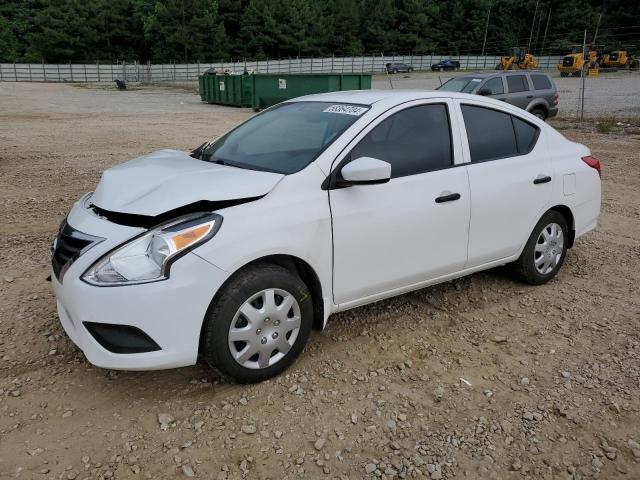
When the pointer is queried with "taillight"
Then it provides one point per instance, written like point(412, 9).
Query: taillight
point(556, 99)
point(593, 163)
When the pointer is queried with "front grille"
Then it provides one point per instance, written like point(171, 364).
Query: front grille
point(68, 246)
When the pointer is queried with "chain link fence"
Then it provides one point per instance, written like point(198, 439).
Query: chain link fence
point(148, 73)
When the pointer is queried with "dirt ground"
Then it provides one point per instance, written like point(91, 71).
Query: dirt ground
point(479, 378)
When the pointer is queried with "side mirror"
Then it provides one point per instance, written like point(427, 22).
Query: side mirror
point(485, 92)
point(365, 171)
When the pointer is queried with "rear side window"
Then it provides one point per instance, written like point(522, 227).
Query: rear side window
point(413, 141)
point(493, 134)
point(494, 85)
point(517, 83)
point(541, 82)
point(526, 135)
point(490, 133)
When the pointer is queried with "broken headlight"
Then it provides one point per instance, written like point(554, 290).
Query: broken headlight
point(148, 257)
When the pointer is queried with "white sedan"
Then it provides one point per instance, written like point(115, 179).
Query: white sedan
point(233, 253)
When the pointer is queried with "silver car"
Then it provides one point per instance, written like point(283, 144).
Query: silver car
point(534, 91)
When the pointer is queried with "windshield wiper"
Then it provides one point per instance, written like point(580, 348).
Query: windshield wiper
point(197, 152)
point(226, 163)
point(218, 161)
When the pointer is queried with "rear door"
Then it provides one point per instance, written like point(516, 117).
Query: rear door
point(518, 91)
point(509, 178)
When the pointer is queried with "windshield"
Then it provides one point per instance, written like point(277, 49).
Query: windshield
point(286, 138)
point(460, 84)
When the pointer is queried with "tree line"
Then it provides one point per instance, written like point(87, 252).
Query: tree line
point(206, 30)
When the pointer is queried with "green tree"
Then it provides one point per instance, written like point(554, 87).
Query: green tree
point(15, 24)
point(186, 30)
point(65, 30)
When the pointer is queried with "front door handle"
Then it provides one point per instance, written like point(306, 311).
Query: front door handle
point(540, 180)
point(448, 198)
point(529, 96)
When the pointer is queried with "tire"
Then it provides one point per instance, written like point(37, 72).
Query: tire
point(394, 71)
point(272, 328)
point(564, 74)
point(410, 70)
point(541, 114)
point(539, 263)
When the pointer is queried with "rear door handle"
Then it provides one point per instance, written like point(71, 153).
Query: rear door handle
point(448, 198)
point(529, 96)
point(540, 180)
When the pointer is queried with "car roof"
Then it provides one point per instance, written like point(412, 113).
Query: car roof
point(369, 97)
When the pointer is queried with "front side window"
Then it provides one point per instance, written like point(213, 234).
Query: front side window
point(517, 83)
point(494, 85)
point(493, 134)
point(286, 138)
point(415, 140)
point(460, 84)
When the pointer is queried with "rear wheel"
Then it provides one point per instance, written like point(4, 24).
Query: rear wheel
point(541, 114)
point(564, 74)
point(395, 70)
point(545, 251)
point(259, 323)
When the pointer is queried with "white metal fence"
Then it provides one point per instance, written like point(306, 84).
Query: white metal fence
point(147, 72)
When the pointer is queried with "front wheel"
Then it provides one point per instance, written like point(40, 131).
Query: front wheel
point(545, 251)
point(258, 324)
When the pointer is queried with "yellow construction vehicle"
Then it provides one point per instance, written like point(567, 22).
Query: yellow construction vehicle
point(518, 60)
point(576, 64)
point(619, 59)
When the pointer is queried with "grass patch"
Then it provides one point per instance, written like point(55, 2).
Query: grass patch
point(607, 125)
point(604, 124)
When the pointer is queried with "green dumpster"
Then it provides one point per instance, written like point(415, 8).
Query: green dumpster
point(263, 90)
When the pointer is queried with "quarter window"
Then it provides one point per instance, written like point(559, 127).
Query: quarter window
point(526, 135)
point(415, 140)
point(495, 85)
point(517, 83)
point(493, 134)
point(541, 82)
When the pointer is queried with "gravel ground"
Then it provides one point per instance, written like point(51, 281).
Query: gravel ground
point(615, 94)
point(479, 378)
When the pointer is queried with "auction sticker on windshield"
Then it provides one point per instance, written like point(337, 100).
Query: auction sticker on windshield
point(346, 109)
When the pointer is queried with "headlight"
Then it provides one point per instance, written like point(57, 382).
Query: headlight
point(147, 258)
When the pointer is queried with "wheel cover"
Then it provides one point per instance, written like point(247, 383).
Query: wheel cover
point(549, 248)
point(264, 328)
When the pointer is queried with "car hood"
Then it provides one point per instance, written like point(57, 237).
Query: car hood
point(168, 179)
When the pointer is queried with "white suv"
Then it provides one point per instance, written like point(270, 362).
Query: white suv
point(314, 206)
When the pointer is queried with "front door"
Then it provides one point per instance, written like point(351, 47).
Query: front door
point(415, 227)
